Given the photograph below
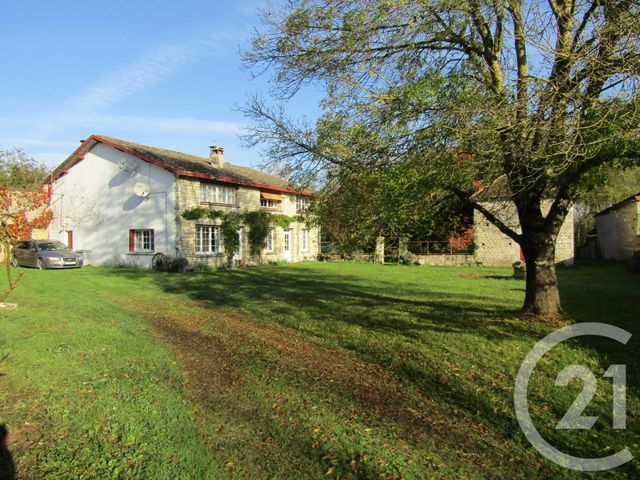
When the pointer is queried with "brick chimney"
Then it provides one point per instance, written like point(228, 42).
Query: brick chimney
point(216, 157)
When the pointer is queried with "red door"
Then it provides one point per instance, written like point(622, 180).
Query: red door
point(70, 239)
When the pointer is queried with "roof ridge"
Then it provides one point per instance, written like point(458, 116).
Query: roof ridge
point(635, 197)
point(168, 150)
point(204, 160)
point(194, 165)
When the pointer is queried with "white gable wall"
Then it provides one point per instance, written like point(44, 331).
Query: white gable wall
point(96, 201)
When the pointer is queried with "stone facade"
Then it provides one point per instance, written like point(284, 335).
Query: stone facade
point(492, 247)
point(188, 195)
point(619, 230)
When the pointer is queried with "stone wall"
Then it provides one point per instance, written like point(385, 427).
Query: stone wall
point(247, 199)
point(492, 247)
point(445, 259)
point(565, 246)
point(619, 232)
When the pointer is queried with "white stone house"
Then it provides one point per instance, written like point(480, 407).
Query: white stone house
point(122, 202)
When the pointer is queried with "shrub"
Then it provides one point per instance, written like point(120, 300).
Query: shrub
point(196, 213)
point(230, 226)
point(409, 259)
point(167, 263)
point(203, 267)
point(258, 223)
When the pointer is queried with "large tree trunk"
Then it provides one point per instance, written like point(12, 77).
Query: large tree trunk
point(542, 297)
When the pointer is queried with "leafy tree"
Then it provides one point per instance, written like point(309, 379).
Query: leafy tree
point(21, 211)
point(540, 94)
point(24, 204)
point(393, 200)
point(19, 171)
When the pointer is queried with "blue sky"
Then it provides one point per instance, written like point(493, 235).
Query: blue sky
point(163, 73)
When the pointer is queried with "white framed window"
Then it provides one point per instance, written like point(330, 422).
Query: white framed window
point(141, 240)
point(212, 193)
point(271, 234)
point(304, 240)
point(301, 204)
point(208, 239)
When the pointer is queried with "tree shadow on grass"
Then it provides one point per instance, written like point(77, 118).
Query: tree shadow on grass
point(344, 385)
point(322, 304)
point(7, 467)
point(304, 298)
point(282, 293)
point(607, 294)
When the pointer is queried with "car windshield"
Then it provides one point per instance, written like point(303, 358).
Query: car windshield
point(45, 246)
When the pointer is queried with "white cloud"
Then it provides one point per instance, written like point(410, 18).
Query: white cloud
point(152, 68)
point(53, 159)
point(135, 125)
point(41, 133)
point(9, 141)
point(103, 123)
point(148, 124)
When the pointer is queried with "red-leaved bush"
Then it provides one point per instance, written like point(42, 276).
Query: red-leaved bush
point(460, 240)
point(21, 211)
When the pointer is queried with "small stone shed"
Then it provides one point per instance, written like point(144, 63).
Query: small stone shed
point(618, 229)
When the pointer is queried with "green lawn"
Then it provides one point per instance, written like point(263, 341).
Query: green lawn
point(305, 371)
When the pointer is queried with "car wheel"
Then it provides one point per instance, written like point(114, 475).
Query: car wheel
point(14, 262)
point(40, 264)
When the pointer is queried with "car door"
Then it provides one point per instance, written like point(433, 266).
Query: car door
point(30, 255)
point(19, 252)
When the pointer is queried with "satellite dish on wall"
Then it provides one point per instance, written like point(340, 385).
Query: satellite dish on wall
point(127, 164)
point(141, 189)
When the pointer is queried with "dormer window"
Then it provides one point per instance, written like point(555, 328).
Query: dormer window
point(222, 194)
point(271, 201)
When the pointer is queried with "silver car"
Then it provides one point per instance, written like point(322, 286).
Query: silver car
point(43, 254)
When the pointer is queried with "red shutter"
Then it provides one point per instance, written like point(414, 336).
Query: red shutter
point(70, 239)
point(132, 240)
